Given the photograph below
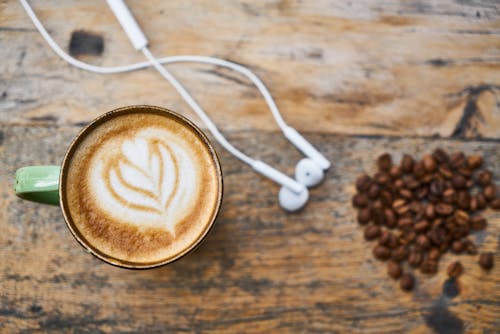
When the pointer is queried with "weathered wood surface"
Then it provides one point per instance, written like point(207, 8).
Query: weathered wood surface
point(393, 67)
point(259, 271)
point(347, 73)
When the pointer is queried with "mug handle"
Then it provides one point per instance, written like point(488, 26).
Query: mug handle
point(38, 184)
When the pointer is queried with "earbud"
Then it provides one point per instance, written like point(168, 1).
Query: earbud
point(291, 201)
point(308, 173)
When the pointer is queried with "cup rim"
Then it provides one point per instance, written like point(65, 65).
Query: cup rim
point(81, 136)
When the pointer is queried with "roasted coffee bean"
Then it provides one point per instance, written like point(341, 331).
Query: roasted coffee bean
point(495, 203)
point(445, 172)
point(407, 163)
point(415, 259)
point(408, 237)
point(421, 226)
point(381, 252)
point(458, 181)
point(386, 197)
point(378, 216)
point(481, 202)
point(463, 200)
point(465, 172)
point(411, 183)
point(372, 232)
point(469, 184)
point(441, 156)
point(394, 269)
point(437, 187)
point(473, 205)
point(395, 172)
point(382, 178)
point(486, 260)
point(421, 193)
point(443, 209)
point(415, 207)
point(390, 218)
point(423, 242)
point(434, 237)
point(458, 246)
point(399, 254)
point(374, 191)
point(429, 211)
point(474, 161)
point(399, 183)
point(405, 223)
point(461, 218)
point(393, 241)
point(470, 247)
point(360, 201)
point(490, 192)
point(478, 223)
point(484, 178)
point(426, 179)
point(450, 196)
point(428, 267)
point(457, 160)
point(434, 254)
point(384, 162)
point(419, 169)
point(429, 163)
point(363, 183)
point(407, 282)
point(384, 238)
point(455, 269)
point(364, 216)
point(406, 194)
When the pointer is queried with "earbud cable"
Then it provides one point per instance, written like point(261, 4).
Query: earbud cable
point(157, 64)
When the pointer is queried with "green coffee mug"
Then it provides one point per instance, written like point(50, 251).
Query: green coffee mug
point(38, 184)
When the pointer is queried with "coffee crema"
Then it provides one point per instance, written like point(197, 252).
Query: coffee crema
point(142, 187)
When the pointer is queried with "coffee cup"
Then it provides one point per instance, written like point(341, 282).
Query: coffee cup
point(139, 187)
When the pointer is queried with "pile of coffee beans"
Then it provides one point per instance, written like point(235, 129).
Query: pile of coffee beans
point(419, 210)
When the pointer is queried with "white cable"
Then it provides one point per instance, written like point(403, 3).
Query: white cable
point(166, 60)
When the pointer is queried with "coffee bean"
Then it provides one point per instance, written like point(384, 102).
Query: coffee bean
point(457, 246)
point(419, 169)
point(364, 216)
point(421, 226)
point(384, 162)
point(360, 201)
point(411, 183)
point(434, 254)
point(414, 259)
point(426, 179)
point(481, 202)
point(407, 282)
point(390, 218)
point(384, 238)
point(458, 181)
point(457, 160)
point(463, 200)
point(495, 204)
point(416, 207)
point(428, 267)
point(408, 237)
point(363, 183)
point(465, 172)
point(445, 172)
point(386, 197)
point(399, 183)
point(395, 172)
point(394, 269)
point(473, 205)
point(469, 184)
point(449, 196)
point(381, 252)
point(399, 254)
point(429, 163)
point(478, 223)
point(455, 269)
point(486, 260)
point(443, 209)
point(423, 242)
point(474, 161)
point(421, 193)
point(405, 223)
point(441, 156)
point(484, 178)
point(372, 232)
point(406, 194)
point(407, 163)
point(374, 191)
point(490, 192)
point(461, 218)
point(382, 178)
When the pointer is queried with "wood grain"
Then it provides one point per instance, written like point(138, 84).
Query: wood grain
point(419, 68)
point(260, 270)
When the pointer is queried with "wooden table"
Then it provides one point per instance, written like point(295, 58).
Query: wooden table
point(358, 78)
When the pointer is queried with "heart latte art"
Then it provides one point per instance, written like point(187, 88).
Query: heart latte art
point(150, 182)
point(142, 187)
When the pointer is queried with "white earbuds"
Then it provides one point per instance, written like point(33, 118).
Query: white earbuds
point(309, 172)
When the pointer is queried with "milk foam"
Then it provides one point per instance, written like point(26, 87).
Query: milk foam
point(150, 180)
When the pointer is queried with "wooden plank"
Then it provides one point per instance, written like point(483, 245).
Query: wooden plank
point(260, 271)
point(418, 68)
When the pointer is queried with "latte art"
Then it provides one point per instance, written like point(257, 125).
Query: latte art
point(150, 179)
point(141, 187)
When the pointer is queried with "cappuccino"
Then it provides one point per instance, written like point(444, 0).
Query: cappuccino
point(142, 187)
